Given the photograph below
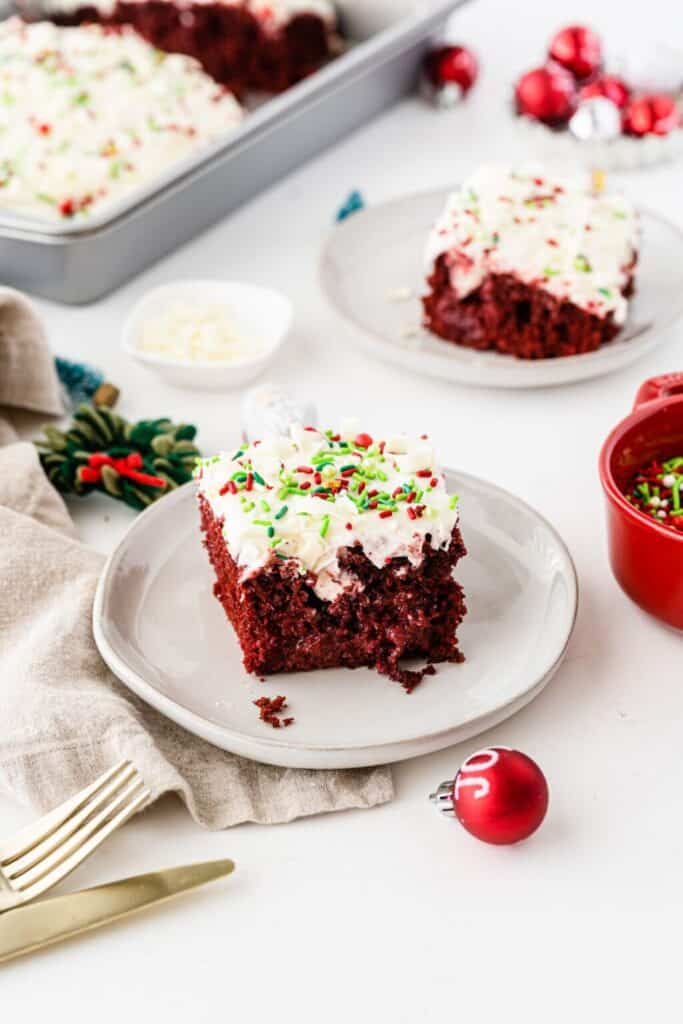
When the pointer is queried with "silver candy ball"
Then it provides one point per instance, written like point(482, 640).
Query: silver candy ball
point(596, 120)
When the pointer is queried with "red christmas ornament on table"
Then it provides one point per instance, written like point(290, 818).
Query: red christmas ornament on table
point(499, 795)
point(608, 86)
point(577, 49)
point(547, 94)
point(654, 114)
point(448, 74)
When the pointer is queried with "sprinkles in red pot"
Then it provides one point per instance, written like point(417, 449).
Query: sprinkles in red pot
point(656, 491)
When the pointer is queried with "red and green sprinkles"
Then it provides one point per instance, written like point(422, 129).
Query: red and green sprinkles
point(355, 469)
point(656, 491)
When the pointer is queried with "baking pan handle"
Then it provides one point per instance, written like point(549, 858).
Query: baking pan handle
point(665, 386)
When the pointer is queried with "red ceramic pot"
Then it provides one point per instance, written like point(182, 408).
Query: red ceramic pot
point(646, 557)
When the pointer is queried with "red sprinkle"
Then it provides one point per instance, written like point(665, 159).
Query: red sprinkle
point(412, 514)
point(362, 440)
point(304, 469)
point(249, 485)
point(423, 473)
point(385, 513)
point(318, 478)
point(361, 486)
point(231, 487)
point(411, 496)
point(305, 485)
point(434, 482)
point(349, 526)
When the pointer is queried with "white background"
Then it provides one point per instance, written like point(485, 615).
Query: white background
point(393, 914)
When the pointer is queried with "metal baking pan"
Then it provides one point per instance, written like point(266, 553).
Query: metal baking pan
point(79, 263)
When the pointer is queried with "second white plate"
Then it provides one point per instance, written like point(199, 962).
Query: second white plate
point(161, 630)
point(375, 257)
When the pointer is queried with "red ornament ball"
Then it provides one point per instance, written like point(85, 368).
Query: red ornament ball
point(547, 94)
point(577, 49)
point(653, 114)
point(500, 795)
point(608, 86)
point(451, 65)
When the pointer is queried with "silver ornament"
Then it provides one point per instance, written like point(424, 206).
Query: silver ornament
point(596, 120)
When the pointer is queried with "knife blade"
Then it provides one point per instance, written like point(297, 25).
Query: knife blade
point(35, 925)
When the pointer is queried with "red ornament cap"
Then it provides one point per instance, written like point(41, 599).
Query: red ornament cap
point(653, 114)
point(547, 94)
point(499, 795)
point(608, 86)
point(578, 49)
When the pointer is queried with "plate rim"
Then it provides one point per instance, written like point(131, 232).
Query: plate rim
point(577, 367)
point(333, 756)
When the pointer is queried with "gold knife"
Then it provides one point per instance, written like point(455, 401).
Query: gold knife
point(39, 924)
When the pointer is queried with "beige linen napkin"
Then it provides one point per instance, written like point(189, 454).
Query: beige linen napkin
point(64, 718)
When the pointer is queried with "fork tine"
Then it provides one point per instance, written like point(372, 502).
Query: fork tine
point(80, 846)
point(24, 841)
point(43, 848)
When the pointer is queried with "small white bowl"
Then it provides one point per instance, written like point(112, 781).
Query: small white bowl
point(258, 313)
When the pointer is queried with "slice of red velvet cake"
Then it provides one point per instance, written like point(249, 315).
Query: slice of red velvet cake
point(530, 264)
point(332, 549)
point(245, 45)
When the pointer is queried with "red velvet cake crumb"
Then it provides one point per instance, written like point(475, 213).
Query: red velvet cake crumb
point(270, 709)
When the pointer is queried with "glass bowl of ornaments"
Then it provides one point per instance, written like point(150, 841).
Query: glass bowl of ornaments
point(612, 115)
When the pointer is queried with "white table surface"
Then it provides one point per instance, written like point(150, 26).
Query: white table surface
point(393, 914)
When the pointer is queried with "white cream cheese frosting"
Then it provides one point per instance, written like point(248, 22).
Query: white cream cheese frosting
point(308, 494)
point(88, 115)
point(549, 231)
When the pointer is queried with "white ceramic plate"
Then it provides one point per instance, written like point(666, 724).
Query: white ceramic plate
point(377, 253)
point(161, 630)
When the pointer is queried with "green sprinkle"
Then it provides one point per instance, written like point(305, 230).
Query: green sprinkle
point(275, 541)
point(262, 522)
point(279, 554)
point(304, 513)
point(271, 531)
point(325, 526)
point(283, 492)
point(264, 505)
point(237, 455)
point(281, 513)
point(240, 476)
point(320, 490)
point(381, 475)
point(582, 264)
point(249, 507)
point(349, 465)
point(676, 494)
point(606, 292)
point(550, 272)
point(259, 479)
point(453, 501)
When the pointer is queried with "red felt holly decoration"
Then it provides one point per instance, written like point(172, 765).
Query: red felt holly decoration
point(499, 795)
point(608, 86)
point(578, 49)
point(448, 74)
point(654, 114)
point(547, 94)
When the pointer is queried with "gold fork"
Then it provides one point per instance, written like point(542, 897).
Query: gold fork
point(41, 855)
